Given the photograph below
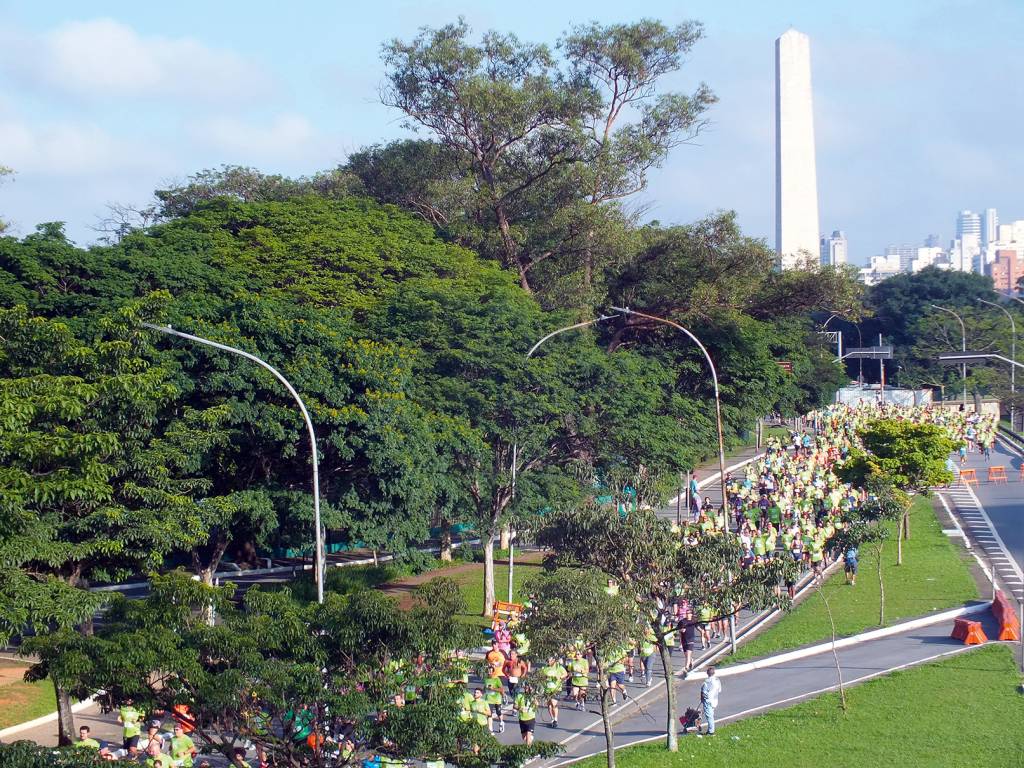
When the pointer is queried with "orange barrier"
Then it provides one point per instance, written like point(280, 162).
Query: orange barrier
point(969, 476)
point(997, 474)
point(1021, 476)
point(969, 632)
point(1009, 624)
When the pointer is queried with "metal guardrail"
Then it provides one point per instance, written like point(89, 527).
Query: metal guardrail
point(1014, 439)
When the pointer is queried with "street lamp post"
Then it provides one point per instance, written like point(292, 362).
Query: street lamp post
point(963, 347)
point(1013, 355)
point(718, 421)
point(319, 557)
point(515, 445)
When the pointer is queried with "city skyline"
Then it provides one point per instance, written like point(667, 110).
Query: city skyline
point(105, 104)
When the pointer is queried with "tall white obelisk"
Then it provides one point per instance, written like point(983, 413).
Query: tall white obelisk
point(796, 178)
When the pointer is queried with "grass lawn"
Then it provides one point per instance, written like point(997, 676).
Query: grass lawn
point(471, 582)
point(21, 701)
point(934, 575)
point(962, 711)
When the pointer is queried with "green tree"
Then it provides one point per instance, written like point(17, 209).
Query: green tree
point(572, 604)
point(276, 670)
point(653, 567)
point(95, 483)
point(28, 754)
point(548, 142)
point(909, 457)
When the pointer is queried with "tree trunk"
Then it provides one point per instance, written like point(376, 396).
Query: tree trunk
point(488, 573)
point(881, 587)
point(65, 717)
point(446, 544)
point(906, 525)
point(605, 691)
point(376, 560)
point(206, 576)
point(899, 544)
point(506, 537)
point(835, 654)
point(671, 723)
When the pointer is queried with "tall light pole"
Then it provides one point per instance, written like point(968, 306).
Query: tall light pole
point(963, 347)
point(515, 445)
point(319, 558)
point(718, 401)
point(1013, 355)
point(718, 421)
point(839, 335)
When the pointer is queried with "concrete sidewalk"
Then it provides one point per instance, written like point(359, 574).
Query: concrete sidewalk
point(781, 685)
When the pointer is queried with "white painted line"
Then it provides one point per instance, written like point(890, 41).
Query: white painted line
point(999, 539)
point(781, 702)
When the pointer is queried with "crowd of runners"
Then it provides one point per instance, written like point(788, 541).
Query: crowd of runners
point(788, 503)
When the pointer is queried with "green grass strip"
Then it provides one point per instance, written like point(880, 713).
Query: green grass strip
point(934, 576)
point(961, 711)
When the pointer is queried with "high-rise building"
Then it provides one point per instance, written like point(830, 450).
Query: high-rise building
point(904, 253)
point(989, 226)
point(933, 241)
point(833, 249)
point(1005, 270)
point(928, 256)
point(968, 223)
point(796, 180)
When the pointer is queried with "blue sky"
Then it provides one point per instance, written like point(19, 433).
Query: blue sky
point(917, 103)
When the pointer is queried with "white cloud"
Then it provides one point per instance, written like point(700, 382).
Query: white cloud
point(105, 59)
point(285, 134)
point(71, 149)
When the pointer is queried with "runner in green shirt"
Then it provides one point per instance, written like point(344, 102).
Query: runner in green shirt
point(579, 667)
point(526, 706)
point(85, 741)
point(481, 709)
point(183, 749)
point(553, 675)
point(617, 674)
point(130, 717)
point(492, 696)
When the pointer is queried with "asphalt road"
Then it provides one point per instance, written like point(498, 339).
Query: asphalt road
point(992, 516)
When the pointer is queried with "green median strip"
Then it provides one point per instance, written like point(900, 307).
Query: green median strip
point(963, 710)
point(934, 576)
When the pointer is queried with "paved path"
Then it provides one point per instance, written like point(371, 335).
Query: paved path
point(750, 693)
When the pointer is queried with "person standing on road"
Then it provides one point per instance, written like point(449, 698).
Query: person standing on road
point(709, 699)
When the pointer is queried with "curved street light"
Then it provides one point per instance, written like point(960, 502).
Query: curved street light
point(718, 401)
point(1013, 354)
point(718, 421)
point(515, 445)
point(963, 336)
point(319, 558)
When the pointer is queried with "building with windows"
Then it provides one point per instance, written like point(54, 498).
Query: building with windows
point(834, 249)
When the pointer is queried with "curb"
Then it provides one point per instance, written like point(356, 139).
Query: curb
point(846, 642)
point(50, 718)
